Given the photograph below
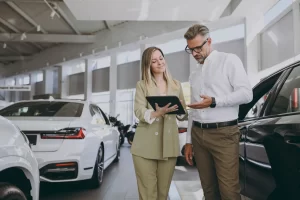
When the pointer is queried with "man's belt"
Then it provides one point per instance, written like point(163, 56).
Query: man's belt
point(215, 125)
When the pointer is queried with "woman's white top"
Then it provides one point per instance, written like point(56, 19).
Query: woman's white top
point(147, 115)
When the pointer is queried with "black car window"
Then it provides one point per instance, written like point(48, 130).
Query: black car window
point(287, 100)
point(256, 109)
point(43, 109)
point(260, 94)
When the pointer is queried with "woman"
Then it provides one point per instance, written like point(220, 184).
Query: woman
point(156, 144)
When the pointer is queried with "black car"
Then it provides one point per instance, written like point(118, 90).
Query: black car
point(270, 138)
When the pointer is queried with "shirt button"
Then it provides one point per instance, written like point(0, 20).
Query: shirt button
point(156, 133)
point(157, 119)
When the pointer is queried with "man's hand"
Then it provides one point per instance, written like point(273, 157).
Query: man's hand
point(188, 153)
point(205, 103)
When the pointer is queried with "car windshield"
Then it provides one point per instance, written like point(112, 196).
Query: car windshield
point(43, 109)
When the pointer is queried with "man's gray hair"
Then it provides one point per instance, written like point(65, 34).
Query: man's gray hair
point(195, 30)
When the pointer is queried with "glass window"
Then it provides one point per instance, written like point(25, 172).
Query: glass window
point(39, 77)
point(255, 110)
point(26, 80)
point(43, 109)
point(97, 114)
point(287, 100)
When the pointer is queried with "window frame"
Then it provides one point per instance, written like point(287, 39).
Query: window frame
point(256, 91)
point(277, 91)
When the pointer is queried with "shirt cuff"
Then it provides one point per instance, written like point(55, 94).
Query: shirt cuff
point(147, 117)
point(188, 138)
point(219, 102)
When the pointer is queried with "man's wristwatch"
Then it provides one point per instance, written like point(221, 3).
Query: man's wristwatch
point(213, 103)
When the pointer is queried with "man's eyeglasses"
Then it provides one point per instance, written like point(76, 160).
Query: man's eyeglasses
point(197, 49)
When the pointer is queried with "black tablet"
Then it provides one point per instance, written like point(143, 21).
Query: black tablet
point(164, 100)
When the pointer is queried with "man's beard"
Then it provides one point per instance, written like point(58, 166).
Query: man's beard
point(201, 60)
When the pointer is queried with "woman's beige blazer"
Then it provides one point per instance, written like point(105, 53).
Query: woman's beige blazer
point(160, 139)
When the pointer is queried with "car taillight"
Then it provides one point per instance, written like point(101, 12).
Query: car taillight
point(182, 130)
point(66, 133)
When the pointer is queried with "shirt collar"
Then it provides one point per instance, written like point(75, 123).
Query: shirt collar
point(211, 56)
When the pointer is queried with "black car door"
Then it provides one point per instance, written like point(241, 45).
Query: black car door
point(272, 144)
point(248, 115)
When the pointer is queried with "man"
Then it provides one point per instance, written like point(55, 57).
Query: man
point(218, 87)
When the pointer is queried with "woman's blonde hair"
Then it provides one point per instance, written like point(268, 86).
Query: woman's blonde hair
point(147, 74)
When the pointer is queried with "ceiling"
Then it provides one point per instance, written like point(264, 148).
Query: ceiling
point(148, 10)
point(28, 27)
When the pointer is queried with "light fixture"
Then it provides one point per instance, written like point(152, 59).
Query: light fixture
point(38, 28)
point(4, 46)
point(105, 48)
point(23, 36)
point(52, 14)
point(80, 54)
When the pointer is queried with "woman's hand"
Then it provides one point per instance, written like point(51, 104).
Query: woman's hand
point(160, 111)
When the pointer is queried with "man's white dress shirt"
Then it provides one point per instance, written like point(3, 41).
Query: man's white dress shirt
point(221, 76)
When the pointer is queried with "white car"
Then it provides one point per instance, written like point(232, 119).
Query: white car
point(19, 172)
point(71, 139)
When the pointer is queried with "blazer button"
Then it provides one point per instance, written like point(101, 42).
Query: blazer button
point(156, 133)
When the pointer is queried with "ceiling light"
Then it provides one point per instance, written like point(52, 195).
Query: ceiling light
point(38, 28)
point(52, 14)
point(23, 36)
point(4, 46)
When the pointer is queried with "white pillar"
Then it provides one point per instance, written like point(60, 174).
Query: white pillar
point(63, 81)
point(113, 84)
point(48, 81)
point(88, 79)
point(19, 82)
point(32, 82)
point(296, 24)
point(2, 93)
point(253, 26)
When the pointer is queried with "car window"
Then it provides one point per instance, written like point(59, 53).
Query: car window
point(104, 116)
point(287, 100)
point(260, 94)
point(98, 115)
point(256, 109)
point(43, 109)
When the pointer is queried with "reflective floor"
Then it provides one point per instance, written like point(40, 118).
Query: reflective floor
point(119, 183)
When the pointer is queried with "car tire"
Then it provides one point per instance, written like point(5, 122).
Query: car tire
point(117, 159)
point(97, 177)
point(11, 192)
point(122, 139)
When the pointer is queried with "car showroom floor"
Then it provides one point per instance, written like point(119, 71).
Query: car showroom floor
point(120, 183)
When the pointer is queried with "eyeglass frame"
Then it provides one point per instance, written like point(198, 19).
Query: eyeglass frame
point(193, 49)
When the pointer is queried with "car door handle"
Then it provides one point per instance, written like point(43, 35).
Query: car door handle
point(292, 139)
